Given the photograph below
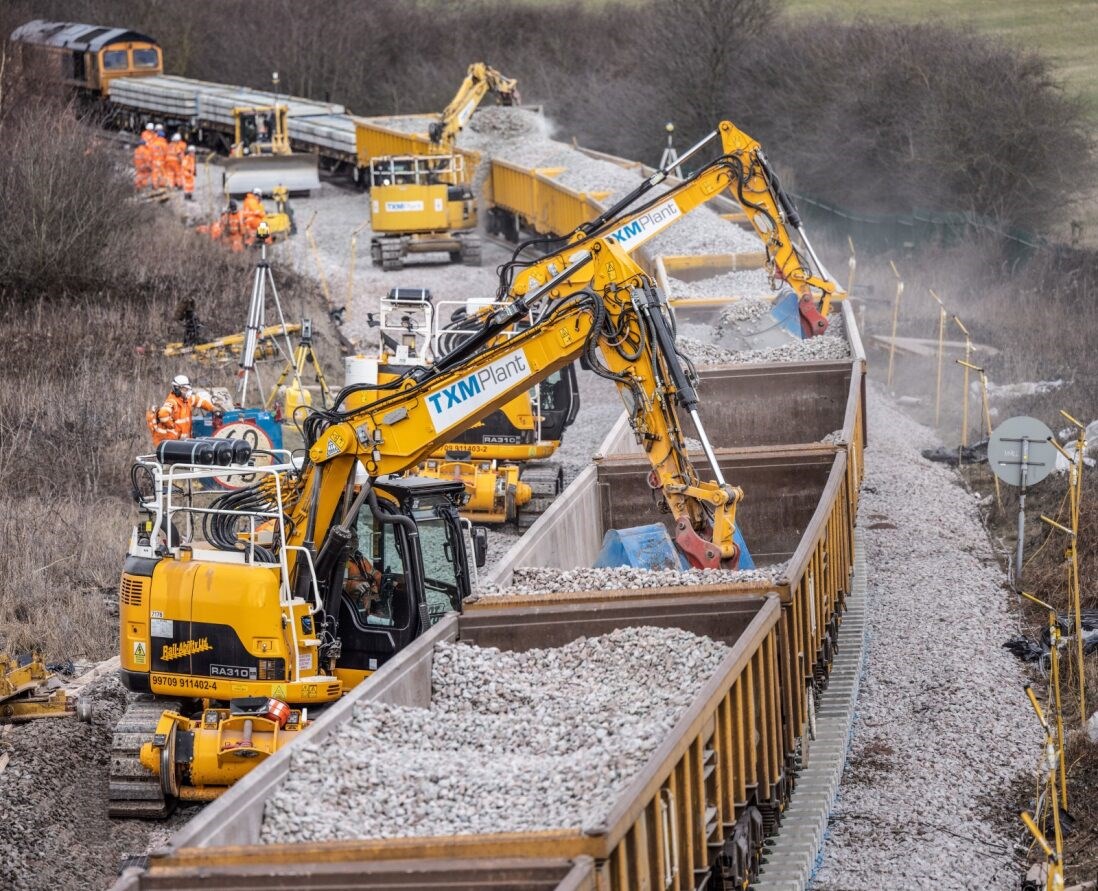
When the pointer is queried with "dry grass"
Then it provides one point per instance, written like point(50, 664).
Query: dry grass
point(82, 360)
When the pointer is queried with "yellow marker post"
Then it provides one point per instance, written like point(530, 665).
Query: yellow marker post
point(1054, 685)
point(1075, 493)
point(349, 298)
point(316, 259)
point(987, 418)
point(964, 403)
point(1072, 553)
point(1054, 852)
point(895, 319)
point(942, 314)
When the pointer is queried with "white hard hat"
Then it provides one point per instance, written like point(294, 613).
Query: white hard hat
point(191, 149)
point(181, 380)
point(258, 192)
point(150, 126)
point(176, 137)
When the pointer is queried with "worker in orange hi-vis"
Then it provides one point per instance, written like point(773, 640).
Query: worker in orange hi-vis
point(187, 167)
point(232, 227)
point(142, 165)
point(173, 161)
point(159, 147)
point(173, 420)
point(253, 213)
point(149, 133)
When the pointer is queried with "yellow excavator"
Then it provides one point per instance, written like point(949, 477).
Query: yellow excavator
point(261, 156)
point(241, 612)
point(503, 461)
point(423, 203)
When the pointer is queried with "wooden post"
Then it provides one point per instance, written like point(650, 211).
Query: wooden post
point(895, 320)
point(941, 354)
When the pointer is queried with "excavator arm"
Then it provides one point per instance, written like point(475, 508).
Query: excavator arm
point(600, 304)
point(480, 80)
point(743, 173)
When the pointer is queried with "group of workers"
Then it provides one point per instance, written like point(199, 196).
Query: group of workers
point(238, 223)
point(160, 163)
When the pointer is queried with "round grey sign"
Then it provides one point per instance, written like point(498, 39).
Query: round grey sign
point(1018, 438)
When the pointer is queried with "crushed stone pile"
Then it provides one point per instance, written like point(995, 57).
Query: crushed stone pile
point(553, 580)
point(522, 137)
point(828, 346)
point(511, 741)
point(737, 283)
point(53, 798)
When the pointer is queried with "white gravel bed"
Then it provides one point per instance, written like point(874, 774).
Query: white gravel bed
point(942, 722)
point(739, 283)
point(553, 580)
point(511, 742)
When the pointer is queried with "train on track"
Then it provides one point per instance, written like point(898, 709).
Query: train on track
point(119, 74)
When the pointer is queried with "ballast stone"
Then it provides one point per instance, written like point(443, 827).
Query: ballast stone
point(512, 741)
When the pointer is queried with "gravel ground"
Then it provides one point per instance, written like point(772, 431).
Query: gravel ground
point(745, 282)
point(942, 723)
point(552, 580)
point(53, 801)
point(511, 741)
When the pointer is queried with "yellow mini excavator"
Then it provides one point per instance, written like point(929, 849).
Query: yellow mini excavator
point(423, 203)
point(241, 612)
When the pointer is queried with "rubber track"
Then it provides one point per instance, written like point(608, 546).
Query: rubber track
point(135, 791)
point(546, 482)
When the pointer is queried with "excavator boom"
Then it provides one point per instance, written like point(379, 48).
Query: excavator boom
point(480, 80)
point(599, 301)
point(742, 172)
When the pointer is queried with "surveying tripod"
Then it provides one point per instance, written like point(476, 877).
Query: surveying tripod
point(295, 365)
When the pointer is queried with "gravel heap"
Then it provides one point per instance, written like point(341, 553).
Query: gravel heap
point(511, 741)
point(53, 798)
point(523, 137)
point(553, 580)
point(830, 345)
point(942, 724)
point(737, 283)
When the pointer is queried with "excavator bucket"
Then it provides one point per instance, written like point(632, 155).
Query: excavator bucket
point(298, 173)
point(651, 547)
point(780, 326)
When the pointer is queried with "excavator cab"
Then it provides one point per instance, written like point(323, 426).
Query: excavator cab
point(410, 580)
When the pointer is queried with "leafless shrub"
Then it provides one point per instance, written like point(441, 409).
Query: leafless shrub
point(890, 118)
point(64, 219)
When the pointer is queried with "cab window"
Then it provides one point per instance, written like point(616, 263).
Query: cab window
point(375, 577)
point(439, 566)
point(115, 60)
point(145, 58)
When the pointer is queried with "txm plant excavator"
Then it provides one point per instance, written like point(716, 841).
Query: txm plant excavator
point(504, 459)
point(242, 611)
point(423, 203)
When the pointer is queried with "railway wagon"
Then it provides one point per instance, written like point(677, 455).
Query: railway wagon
point(688, 819)
point(439, 874)
point(86, 58)
point(522, 198)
